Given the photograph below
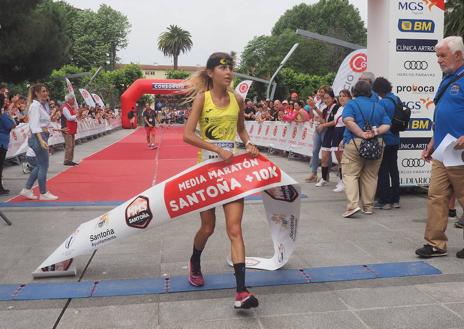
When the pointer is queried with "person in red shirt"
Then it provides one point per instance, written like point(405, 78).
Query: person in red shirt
point(69, 124)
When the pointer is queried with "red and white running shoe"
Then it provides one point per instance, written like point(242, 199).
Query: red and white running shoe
point(195, 277)
point(245, 300)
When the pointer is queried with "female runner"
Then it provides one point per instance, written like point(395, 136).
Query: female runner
point(220, 114)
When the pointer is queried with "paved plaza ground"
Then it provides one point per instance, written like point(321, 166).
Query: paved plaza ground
point(324, 239)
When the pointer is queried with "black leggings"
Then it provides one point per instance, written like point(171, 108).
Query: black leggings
point(2, 161)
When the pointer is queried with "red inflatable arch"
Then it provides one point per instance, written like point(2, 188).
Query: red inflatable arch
point(141, 87)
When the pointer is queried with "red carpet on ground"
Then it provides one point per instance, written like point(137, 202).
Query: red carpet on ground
point(123, 169)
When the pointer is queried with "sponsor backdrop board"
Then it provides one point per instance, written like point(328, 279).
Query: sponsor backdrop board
point(414, 28)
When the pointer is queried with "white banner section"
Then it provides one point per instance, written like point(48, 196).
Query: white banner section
point(243, 88)
point(291, 137)
point(70, 90)
point(85, 128)
point(206, 185)
point(350, 70)
point(87, 97)
point(98, 100)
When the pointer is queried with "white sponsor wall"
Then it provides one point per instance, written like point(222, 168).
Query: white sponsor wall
point(405, 55)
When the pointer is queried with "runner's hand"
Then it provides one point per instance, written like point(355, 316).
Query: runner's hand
point(252, 150)
point(225, 155)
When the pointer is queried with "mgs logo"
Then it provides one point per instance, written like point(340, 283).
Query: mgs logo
point(358, 63)
point(138, 213)
point(274, 132)
point(259, 129)
point(427, 102)
point(415, 65)
point(284, 132)
point(267, 130)
point(417, 7)
point(251, 129)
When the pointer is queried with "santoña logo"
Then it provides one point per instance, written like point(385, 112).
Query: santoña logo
point(138, 213)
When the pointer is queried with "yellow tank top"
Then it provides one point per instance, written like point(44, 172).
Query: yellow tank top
point(218, 125)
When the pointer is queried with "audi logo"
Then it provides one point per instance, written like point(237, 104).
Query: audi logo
point(416, 65)
point(410, 163)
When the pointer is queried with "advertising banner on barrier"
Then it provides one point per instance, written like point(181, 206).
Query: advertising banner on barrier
point(86, 127)
point(206, 185)
point(350, 70)
point(70, 89)
point(87, 97)
point(243, 88)
point(98, 100)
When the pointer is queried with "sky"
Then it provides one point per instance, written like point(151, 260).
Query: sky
point(214, 25)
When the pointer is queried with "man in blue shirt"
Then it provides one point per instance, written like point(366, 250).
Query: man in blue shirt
point(388, 193)
point(449, 119)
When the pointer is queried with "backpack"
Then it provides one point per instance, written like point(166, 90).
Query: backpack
point(369, 149)
point(401, 116)
point(130, 114)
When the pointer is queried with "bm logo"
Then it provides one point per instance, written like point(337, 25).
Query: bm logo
point(420, 124)
point(416, 25)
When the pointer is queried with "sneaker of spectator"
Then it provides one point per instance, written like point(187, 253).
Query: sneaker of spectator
point(383, 206)
point(452, 214)
point(340, 187)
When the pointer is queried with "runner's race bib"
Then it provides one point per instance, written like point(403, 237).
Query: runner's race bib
point(226, 145)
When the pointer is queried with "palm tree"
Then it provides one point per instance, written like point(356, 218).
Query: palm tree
point(454, 22)
point(174, 41)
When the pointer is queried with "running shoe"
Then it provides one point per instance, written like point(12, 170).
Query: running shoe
point(195, 277)
point(245, 300)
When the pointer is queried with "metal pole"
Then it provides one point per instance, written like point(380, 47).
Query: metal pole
point(93, 77)
point(268, 92)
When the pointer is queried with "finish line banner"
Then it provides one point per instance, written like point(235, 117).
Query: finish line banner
point(204, 186)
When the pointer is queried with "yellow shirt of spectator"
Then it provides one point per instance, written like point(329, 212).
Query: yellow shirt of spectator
point(218, 125)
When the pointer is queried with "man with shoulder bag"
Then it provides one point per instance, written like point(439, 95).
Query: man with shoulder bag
point(448, 119)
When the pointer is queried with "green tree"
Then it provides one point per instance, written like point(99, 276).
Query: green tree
point(177, 74)
point(454, 22)
point(56, 83)
point(336, 18)
point(96, 36)
point(174, 41)
point(113, 28)
point(32, 39)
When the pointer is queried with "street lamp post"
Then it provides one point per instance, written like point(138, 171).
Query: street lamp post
point(268, 92)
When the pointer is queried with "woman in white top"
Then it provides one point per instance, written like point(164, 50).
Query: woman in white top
point(337, 145)
point(39, 121)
